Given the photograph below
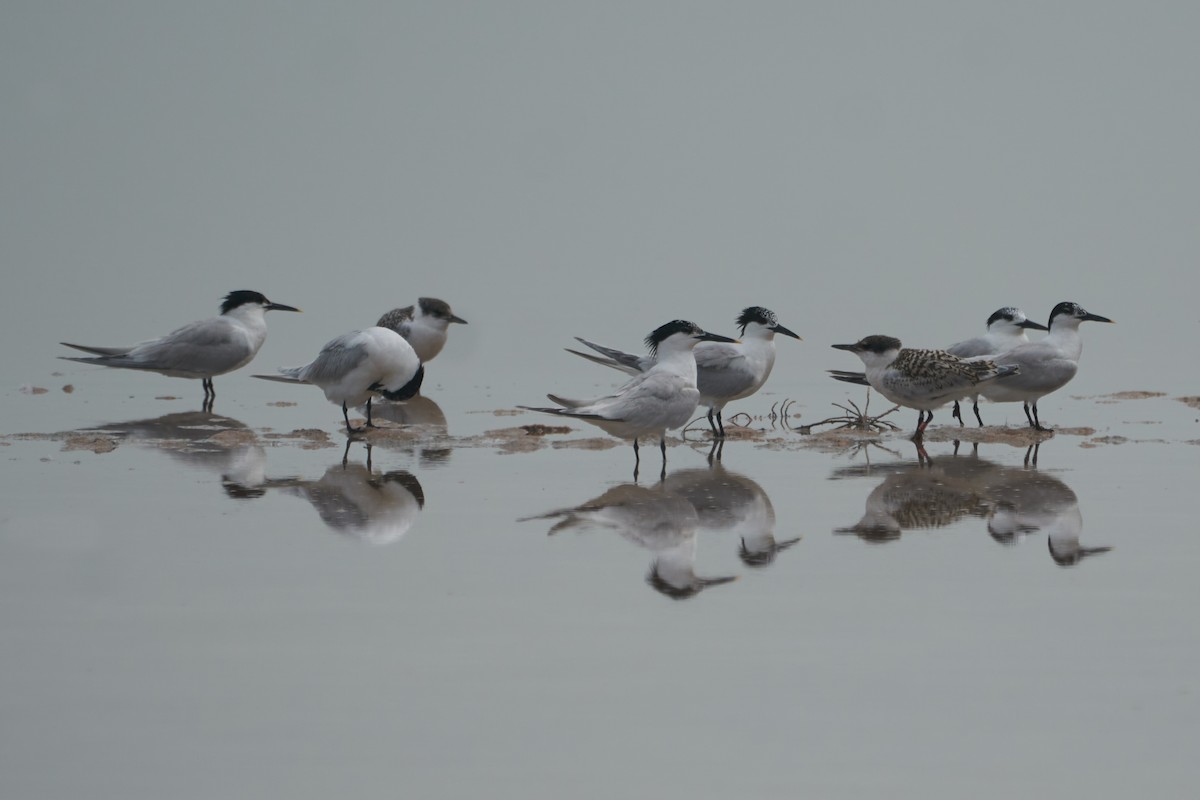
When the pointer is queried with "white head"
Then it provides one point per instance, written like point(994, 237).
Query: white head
point(759, 322)
point(1011, 321)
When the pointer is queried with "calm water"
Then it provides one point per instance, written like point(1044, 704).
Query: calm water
point(217, 607)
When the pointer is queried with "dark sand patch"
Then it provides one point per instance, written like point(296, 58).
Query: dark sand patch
point(90, 442)
point(1191, 401)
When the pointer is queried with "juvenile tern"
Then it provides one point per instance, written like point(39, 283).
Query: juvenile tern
point(920, 379)
point(202, 349)
point(1045, 365)
point(660, 399)
point(356, 366)
point(725, 371)
point(423, 326)
point(1005, 330)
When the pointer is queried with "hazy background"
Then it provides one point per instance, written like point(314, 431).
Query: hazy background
point(596, 169)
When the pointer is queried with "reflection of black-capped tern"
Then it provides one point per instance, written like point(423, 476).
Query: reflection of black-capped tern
point(729, 503)
point(658, 400)
point(725, 371)
point(1027, 501)
point(356, 366)
point(920, 379)
point(1006, 329)
point(354, 500)
point(423, 326)
point(1045, 365)
point(206, 441)
point(200, 350)
point(658, 520)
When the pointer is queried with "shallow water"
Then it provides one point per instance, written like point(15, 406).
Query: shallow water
point(802, 613)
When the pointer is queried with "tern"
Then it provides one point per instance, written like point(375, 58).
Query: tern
point(658, 400)
point(920, 379)
point(725, 371)
point(423, 326)
point(1045, 365)
point(358, 365)
point(202, 349)
point(1006, 329)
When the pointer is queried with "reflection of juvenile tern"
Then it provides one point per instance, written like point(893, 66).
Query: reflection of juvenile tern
point(658, 400)
point(355, 366)
point(354, 500)
point(913, 496)
point(202, 349)
point(423, 326)
point(727, 502)
point(1045, 365)
point(920, 379)
point(655, 519)
point(725, 371)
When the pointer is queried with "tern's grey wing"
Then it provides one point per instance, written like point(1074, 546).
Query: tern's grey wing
point(398, 319)
point(656, 398)
point(98, 351)
point(336, 360)
point(617, 359)
point(859, 378)
point(207, 347)
point(722, 370)
point(979, 346)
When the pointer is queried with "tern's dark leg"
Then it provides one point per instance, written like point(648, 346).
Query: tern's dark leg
point(976, 409)
point(662, 446)
point(637, 460)
point(957, 414)
point(346, 416)
point(1037, 422)
point(369, 423)
point(720, 424)
point(712, 424)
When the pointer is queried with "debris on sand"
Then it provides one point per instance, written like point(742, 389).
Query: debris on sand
point(1191, 401)
point(91, 442)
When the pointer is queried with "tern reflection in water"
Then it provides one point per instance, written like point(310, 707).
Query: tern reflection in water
point(423, 413)
point(727, 502)
point(353, 499)
point(205, 441)
point(653, 518)
point(1015, 500)
point(1027, 501)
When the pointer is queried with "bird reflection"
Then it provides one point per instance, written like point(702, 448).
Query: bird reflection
point(1016, 501)
point(1027, 501)
point(728, 502)
point(661, 521)
point(354, 500)
point(418, 412)
point(917, 496)
point(206, 441)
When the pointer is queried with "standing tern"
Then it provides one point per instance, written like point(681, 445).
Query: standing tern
point(202, 349)
point(356, 366)
point(423, 326)
point(725, 371)
point(660, 399)
point(1045, 365)
point(1005, 330)
point(920, 379)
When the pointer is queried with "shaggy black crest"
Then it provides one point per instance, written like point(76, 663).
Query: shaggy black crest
point(662, 332)
point(240, 298)
point(1008, 312)
point(762, 316)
